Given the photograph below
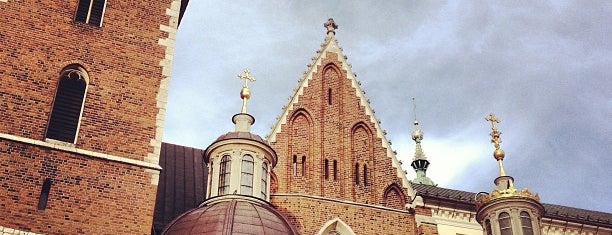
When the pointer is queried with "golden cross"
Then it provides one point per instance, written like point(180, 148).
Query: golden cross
point(247, 77)
point(495, 134)
point(491, 118)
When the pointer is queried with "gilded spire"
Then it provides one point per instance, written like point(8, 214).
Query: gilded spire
point(331, 26)
point(245, 93)
point(498, 154)
point(417, 135)
point(505, 184)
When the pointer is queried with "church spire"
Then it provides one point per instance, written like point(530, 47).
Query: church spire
point(420, 162)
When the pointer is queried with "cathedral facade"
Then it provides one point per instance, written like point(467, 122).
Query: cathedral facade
point(83, 94)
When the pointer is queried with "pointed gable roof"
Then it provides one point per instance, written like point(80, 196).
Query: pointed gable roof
point(331, 45)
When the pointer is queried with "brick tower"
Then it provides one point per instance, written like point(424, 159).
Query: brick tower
point(336, 170)
point(83, 87)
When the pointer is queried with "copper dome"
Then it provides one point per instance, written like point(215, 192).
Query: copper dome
point(231, 214)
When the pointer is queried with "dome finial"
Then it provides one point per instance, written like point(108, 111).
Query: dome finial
point(245, 93)
point(331, 26)
point(420, 162)
point(498, 154)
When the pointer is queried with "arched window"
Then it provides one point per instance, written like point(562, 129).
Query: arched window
point(68, 104)
point(90, 12)
point(335, 170)
point(224, 175)
point(326, 169)
point(246, 177)
point(505, 226)
point(526, 223)
point(264, 180)
point(357, 173)
point(488, 227)
point(294, 166)
point(365, 175)
point(303, 166)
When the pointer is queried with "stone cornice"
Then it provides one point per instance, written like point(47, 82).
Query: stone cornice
point(72, 149)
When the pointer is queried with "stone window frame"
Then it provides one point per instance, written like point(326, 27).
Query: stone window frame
point(89, 4)
point(72, 71)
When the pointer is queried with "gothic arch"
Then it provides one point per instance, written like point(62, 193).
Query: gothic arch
point(301, 113)
point(335, 225)
point(394, 197)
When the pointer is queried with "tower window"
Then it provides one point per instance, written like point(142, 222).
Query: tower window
point(68, 104)
point(357, 173)
point(365, 175)
point(246, 177)
point(488, 227)
point(224, 175)
point(526, 223)
point(335, 170)
point(505, 226)
point(326, 169)
point(44, 194)
point(90, 12)
point(294, 166)
point(303, 165)
point(264, 180)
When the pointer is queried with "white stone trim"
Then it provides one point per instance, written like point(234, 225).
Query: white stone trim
point(339, 201)
point(162, 95)
point(331, 45)
point(67, 148)
point(11, 231)
point(339, 226)
point(3, 1)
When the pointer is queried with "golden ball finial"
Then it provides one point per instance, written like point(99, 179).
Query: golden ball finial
point(245, 93)
point(499, 154)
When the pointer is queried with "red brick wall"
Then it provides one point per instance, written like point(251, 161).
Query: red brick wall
point(88, 195)
point(338, 131)
point(309, 215)
point(40, 38)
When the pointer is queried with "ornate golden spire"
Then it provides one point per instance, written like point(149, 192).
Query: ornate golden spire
point(245, 93)
point(331, 26)
point(498, 154)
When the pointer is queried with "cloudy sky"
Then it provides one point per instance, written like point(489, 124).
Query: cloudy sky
point(544, 68)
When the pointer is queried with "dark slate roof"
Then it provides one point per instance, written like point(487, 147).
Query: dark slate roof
point(231, 214)
point(182, 183)
point(183, 8)
point(564, 213)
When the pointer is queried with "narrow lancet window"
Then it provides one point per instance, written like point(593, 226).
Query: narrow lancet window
point(246, 177)
point(44, 194)
point(329, 96)
point(224, 175)
point(365, 175)
point(264, 180)
point(68, 105)
point(488, 227)
point(326, 169)
point(303, 166)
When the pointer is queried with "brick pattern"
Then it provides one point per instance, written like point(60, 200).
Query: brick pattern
point(86, 197)
point(309, 215)
point(338, 129)
point(120, 107)
point(128, 65)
